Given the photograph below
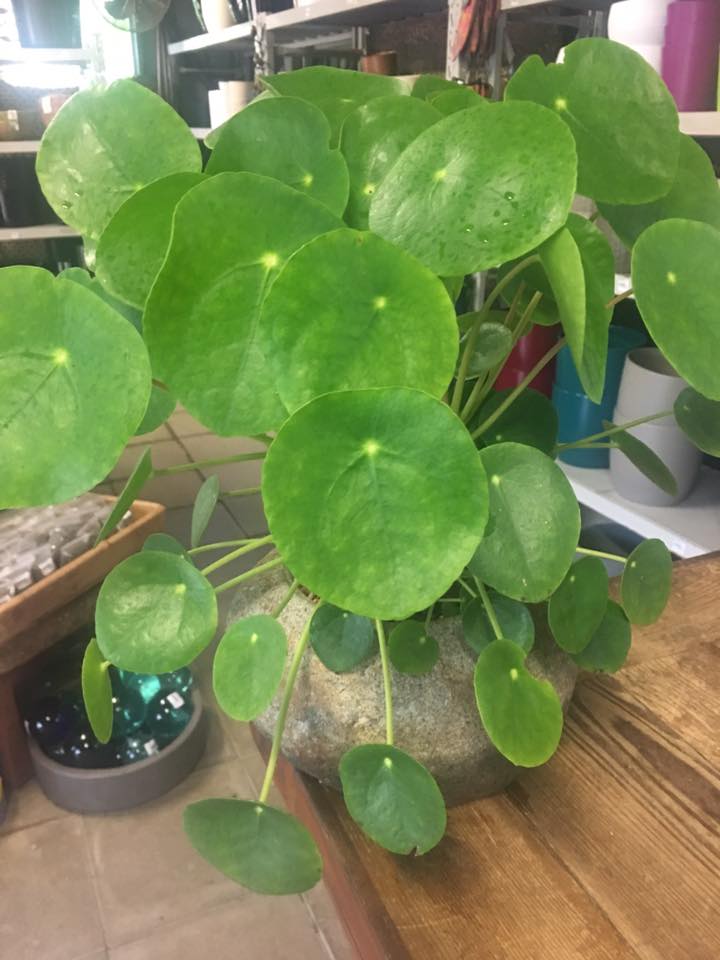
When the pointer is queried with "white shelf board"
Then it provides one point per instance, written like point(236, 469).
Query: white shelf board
point(236, 35)
point(50, 231)
point(705, 124)
point(689, 529)
point(43, 55)
point(19, 146)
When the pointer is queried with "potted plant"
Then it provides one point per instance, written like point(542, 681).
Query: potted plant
point(300, 289)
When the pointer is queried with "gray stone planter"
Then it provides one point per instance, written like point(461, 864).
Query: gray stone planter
point(436, 719)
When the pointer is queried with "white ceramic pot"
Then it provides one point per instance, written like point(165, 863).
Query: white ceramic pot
point(237, 94)
point(682, 459)
point(649, 384)
point(638, 22)
point(217, 15)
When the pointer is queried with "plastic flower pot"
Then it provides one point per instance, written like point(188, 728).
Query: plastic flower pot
point(682, 459)
point(648, 385)
point(525, 354)
point(690, 53)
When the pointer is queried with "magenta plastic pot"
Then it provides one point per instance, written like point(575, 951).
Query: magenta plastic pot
point(690, 53)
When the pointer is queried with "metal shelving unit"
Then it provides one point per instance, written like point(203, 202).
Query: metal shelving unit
point(18, 147)
point(705, 124)
point(50, 231)
point(43, 55)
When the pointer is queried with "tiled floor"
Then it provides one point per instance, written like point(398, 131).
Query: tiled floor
point(128, 886)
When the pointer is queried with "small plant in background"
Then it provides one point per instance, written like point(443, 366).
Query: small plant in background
point(300, 289)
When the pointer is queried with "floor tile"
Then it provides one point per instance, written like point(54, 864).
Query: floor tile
point(178, 490)
point(324, 914)
point(261, 928)
point(165, 453)
point(148, 877)
point(184, 425)
point(29, 806)
point(47, 905)
point(249, 514)
point(162, 433)
point(222, 527)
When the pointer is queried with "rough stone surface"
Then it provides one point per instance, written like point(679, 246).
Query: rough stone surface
point(436, 719)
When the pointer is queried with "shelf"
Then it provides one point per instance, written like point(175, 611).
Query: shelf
point(508, 6)
point(19, 146)
point(705, 124)
point(50, 231)
point(690, 529)
point(238, 35)
point(43, 55)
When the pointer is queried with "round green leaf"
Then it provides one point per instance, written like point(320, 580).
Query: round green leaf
point(74, 382)
point(645, 584)
point(104, 145)
point(342, 640)
point(530, 419)
point(142, 471)
point(287, 139)
point(249, 665)
point(645, 459)
point(205, 502)
point(533, 526)
point(430, 84)
point(393, 798)
point(609, 645)
point(411, 648)
point(467, 194)
point(626, 129)
point(264, 849)
point(160, 405)
point(201, 318)
point(515, 621)
point(82, 277)
point(315, 83)
point(694, 195)
point(578, 605)
point(522, 715)
point(165, 544)
point(155, 613)
point(376, 499)
point(699, 419)
point(97, 692)
point(461, 98)
point(133, 245)
point(373, 137)
point(676, 279)
point(494, 343)
point(319, 343)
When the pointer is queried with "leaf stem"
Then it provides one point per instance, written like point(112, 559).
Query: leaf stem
point(254, 572)
point(242, 492)
point(602, 554)
point(282, 712)
point(286, 599)
point(208, 547)
point(387, 684)
point(489, 609)
point(620, 296)
point(215, 462)
point(523, 385)
point(466, 587)
point(263, 438)
point(616, 428)
point(229, 557)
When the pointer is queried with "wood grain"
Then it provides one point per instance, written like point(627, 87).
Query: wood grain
point(609, 852)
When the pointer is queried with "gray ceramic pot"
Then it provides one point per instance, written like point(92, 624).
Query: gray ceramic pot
point(649, 384)
point(436, 719)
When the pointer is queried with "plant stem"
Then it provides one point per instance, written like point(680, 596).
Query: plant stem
point(489, 609)
point(616, 428)
point(216, 462)
point(579, 445)
point(282, 713)
point(618, 297)
point(524, 383)
point(387, 685)
point(254, 572)
point(243, 492)
point(466, 587)
point(286, 599)
point(208, 547)
point(602, 554)
point(229, 557)
point(428, 616)
point(263, 438)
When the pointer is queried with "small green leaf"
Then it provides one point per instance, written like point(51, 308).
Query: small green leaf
point(159, 408)
point(97, 692)
point(578, 605)
point(257, 846)
point(699, 419)
point(515, 621)
point(205, 502)
point(609, 645)
point(316, 83)
point(411, 648)
point(461, 98)
point(164, 543)
point(142, 471)
point(83, 278)
point(531, 419)
point(645, 459)
point(521, 715)
point(155, 613)
point(430, 84)
point(393, 798)
point(494, 343)
point(342, 640)
point(249, 665)
point(646, 580)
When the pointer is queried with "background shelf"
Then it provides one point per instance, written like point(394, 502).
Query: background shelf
point(49, 231)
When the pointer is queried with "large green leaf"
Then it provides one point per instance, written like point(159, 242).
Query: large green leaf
point(318, 83)
point(530, 419)
point(248, 666)
point(609, 645)
point(430, 84)
point(521, 715)
point(393, 798)
point(342, 640)
point(579, 603)
point(392, 325)
point(264, 849)
point(288, 139)
point(74, 382)
point(646, 580)
point(133, 245)
point(533, 527)
point(141, 473)
point(620, 112)
point(694, 195)
point(461, 98)
point(82, 277)
point(165, 544)
point(412, 649)
point(373, 137)
point(376, 499)
point(231, 236)
point(467, 193)
point(516, 622)
point(155, 613)
point(676, 279)
point(699, 419)
point(97, 692)
point(645, 459)
point(104, 145)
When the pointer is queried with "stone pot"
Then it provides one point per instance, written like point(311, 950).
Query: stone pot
point(436, 719)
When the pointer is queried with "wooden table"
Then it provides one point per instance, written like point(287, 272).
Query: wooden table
point(609, 852)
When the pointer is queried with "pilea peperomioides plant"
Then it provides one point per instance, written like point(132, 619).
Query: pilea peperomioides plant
point(300, 289)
